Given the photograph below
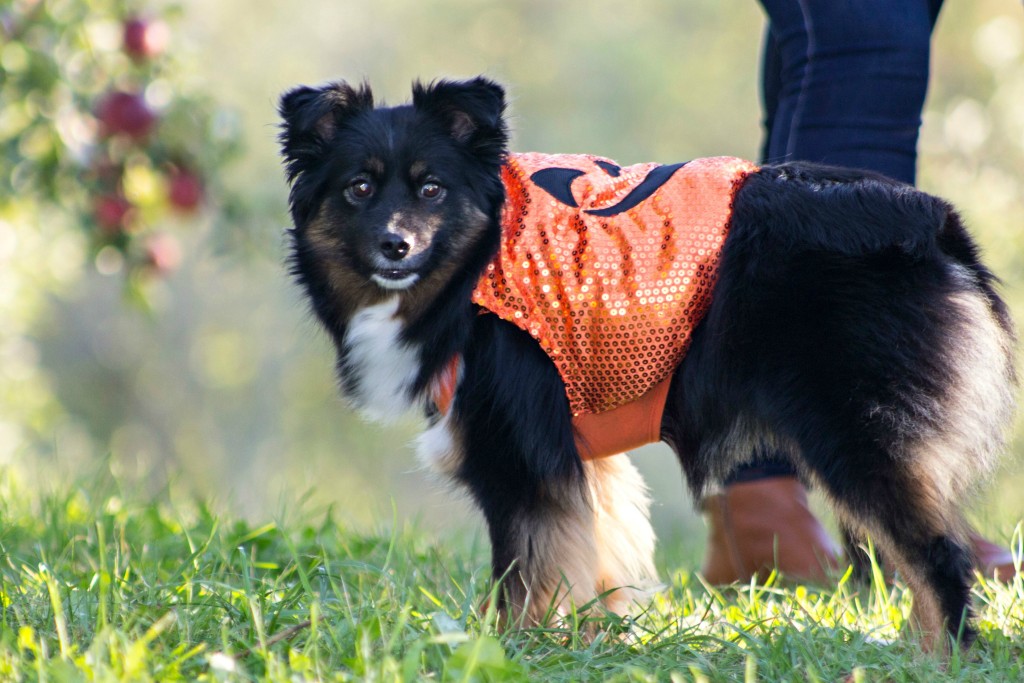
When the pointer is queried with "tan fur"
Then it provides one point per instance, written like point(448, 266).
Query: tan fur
point(417, 169)
point(358, 292)
point(590, 547)
point(944, 462)
point(625, 538)
point(415, 301)
point(557, 551)
point(439, 448)
point(980, 405)
point(355, 291)
point(978, 411)
point(973, 416)
point(926, 614)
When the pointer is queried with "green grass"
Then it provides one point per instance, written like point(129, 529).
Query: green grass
point(96, 585)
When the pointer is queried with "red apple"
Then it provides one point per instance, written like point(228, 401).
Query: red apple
point(163, 253)
point(127, 113)
point(144, 39)
point(185, 190)
point(111, 213)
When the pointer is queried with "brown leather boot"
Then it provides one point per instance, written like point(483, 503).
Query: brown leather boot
point(759, 525)
point(990, 559)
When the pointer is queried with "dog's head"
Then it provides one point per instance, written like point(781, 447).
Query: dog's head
point(389, 200)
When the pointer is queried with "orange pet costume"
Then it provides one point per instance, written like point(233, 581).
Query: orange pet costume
point(610, 269)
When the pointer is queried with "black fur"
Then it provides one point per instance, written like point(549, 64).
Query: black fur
point(833, 335)
point(829, 296)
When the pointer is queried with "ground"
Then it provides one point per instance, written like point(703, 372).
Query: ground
point(97, 585)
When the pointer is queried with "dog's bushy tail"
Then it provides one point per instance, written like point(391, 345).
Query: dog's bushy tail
point(954, 241)
point(982, 355)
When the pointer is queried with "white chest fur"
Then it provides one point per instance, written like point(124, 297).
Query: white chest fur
point(379, 367)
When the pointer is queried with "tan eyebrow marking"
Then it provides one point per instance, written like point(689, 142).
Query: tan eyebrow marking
point(417, 169)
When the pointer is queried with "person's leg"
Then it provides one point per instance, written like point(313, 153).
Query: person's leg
point(849, 83)
point(842, 83)
point(771, 86)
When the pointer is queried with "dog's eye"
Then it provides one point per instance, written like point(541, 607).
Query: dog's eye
point(431, 190)
point(361, 188)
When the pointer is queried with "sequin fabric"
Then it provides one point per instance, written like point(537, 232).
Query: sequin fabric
point(609, 268)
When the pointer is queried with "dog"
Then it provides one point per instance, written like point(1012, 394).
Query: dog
point(836, 316)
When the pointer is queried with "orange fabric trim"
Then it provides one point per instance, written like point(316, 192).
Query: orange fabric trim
point(597, 435)
point(624, 428)
point(442, 390)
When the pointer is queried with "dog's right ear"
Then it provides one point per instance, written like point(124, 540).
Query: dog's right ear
point(472, 111)
point(311, 117)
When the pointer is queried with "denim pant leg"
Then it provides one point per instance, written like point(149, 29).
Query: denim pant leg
point(844, 81)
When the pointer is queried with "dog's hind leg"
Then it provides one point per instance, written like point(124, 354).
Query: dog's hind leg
point(922, 536)
point(913, 456)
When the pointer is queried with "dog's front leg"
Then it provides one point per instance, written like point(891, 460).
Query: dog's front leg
point(518, 460)
point(565, 534)
point(543, 545)
point(625, 538)
point(564, 545)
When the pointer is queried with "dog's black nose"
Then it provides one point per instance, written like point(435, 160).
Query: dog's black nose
point(394, 247)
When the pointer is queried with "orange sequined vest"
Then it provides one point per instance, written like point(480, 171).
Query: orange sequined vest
point(610, 269)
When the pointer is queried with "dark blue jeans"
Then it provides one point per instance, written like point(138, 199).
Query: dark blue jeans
point(843, 83)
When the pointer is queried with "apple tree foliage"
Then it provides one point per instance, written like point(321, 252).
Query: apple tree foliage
point(110, 153)
point(103, 124)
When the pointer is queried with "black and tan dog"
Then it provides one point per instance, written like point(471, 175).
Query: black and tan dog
point(546, 312)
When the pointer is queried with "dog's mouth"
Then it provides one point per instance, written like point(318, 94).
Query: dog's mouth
point(394, 268)
point(395, 278)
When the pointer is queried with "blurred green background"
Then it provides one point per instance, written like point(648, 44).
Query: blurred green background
point(213, 378)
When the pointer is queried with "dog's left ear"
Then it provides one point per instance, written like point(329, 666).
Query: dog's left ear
point(473, 110)
point(312, 115)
